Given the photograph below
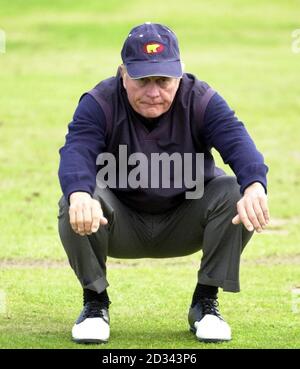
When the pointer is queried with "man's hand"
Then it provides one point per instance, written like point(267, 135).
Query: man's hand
point(85, 213)
point(253, 209)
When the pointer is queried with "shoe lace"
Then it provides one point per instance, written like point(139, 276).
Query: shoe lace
point(94, 309)
point(210, 306)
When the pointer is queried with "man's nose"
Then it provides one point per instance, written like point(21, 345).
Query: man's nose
point(152, 90)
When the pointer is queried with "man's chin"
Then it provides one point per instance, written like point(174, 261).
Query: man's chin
point(152, 113)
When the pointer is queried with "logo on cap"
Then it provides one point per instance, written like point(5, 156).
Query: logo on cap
point(153, 48)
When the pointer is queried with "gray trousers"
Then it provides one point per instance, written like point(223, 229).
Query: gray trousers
point(195, 224)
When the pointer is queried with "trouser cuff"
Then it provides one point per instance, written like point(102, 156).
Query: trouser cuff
point(99, 285)
point(226, 285)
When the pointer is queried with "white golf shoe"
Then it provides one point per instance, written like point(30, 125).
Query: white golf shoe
point(207, 323)
point(92, 326)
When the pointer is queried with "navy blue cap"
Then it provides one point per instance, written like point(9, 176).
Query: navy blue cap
point(151, 50)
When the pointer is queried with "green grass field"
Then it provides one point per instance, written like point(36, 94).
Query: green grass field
point(56, 50)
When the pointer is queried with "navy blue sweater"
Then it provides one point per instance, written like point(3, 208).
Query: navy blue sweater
point(222, 130)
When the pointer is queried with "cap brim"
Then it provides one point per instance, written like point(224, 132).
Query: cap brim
point(171, 69)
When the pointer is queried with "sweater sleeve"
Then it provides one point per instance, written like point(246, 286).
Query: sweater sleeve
point(85, 140)
point(228, 135)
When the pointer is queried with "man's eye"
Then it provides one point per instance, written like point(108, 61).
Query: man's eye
point(164, 81)
point(142, 81)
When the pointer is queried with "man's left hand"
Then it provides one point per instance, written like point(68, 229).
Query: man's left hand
point(253, 209)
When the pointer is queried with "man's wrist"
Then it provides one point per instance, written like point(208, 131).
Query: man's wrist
point(78, 193)
point(254, 185)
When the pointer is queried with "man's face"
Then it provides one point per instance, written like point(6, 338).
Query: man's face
point(150, 96)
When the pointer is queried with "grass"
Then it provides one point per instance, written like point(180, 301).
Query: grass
point(45, 301)
point(57, 50)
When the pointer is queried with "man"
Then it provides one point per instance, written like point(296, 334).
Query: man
point(152, 110)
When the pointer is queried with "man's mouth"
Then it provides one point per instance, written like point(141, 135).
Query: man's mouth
point(151, 104)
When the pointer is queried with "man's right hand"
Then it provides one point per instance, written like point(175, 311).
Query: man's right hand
point(85, 213)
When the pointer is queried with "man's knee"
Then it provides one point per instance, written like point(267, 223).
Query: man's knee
point(232, 188)
point(228, 187)
point(223, 194)
point(63, 208)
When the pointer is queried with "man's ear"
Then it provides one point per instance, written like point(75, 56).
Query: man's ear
point(124, 81)
point(123, 74)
